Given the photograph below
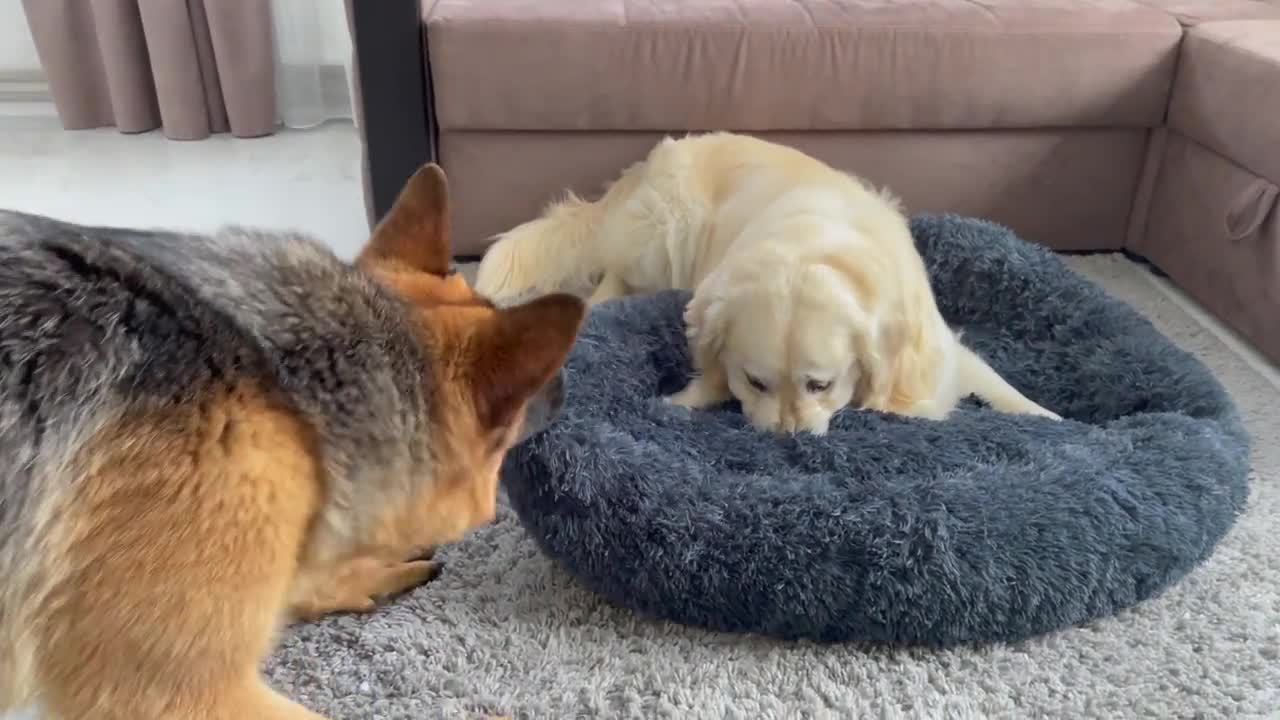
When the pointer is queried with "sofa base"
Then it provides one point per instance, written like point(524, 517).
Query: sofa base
point(1067, 189)
point(1213, 228)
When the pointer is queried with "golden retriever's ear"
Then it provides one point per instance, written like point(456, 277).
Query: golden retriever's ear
point(900, 354)
point(705, 323)
point(415, 232)
point(517, 351)
point(875, 348)
point(895, 339)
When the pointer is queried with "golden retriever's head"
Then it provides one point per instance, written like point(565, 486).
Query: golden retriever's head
point(494, 374)
point(802, 329)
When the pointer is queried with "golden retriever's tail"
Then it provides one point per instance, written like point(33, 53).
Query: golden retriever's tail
point(557, 252)
point(979, 378)
point(548, 254)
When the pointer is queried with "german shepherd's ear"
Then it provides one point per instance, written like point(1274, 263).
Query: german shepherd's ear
point(517, 351)
point(415, 232)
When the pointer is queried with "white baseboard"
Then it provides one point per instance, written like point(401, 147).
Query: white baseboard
point(24, 86)
point(25, 93)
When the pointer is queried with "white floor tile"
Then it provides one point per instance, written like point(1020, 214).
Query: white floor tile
point(306, 180)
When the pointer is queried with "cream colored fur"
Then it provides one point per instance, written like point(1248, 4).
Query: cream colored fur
point(809, 294)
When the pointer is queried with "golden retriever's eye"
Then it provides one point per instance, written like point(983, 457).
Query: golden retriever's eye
point(756, 384)
point(817, 386)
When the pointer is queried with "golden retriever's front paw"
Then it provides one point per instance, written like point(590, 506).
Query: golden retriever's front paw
point(697, 394)
point(681, 399)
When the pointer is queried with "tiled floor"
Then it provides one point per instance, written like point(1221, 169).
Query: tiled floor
point(307, 180)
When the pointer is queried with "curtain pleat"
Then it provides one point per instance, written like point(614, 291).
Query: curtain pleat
point(189, 67)
point(242, 43)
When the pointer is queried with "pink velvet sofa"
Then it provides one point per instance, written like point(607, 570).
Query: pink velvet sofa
point(1145, 126)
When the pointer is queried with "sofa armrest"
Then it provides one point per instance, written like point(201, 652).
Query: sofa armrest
point(393, 95)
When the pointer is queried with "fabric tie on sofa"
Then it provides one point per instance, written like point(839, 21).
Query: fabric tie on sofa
point(1212, 223)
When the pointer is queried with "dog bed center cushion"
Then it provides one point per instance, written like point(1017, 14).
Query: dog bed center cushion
point(982, 527)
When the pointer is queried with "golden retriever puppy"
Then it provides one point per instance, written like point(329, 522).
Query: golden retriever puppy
point(808, 292)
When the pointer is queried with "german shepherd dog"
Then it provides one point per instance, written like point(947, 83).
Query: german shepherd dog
point(202, 438)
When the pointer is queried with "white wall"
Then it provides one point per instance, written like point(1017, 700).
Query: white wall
point(17, 52)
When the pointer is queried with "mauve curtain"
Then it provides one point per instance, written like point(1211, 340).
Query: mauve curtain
point(190, 67)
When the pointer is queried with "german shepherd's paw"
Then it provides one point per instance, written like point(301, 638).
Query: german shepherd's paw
point(360, 584)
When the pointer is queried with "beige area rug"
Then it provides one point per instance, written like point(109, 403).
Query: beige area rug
point(505, 631)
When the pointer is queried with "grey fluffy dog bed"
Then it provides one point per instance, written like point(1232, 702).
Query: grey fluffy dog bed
point(982, 527)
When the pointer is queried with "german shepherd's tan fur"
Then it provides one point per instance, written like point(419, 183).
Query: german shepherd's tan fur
point(204, 438)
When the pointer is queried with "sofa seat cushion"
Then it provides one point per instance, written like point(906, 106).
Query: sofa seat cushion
point(1227, 93)
point(756, 65)
point(1193, 12)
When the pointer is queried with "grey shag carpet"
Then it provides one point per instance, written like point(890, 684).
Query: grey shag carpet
point(986, 526)
point(505, 630)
